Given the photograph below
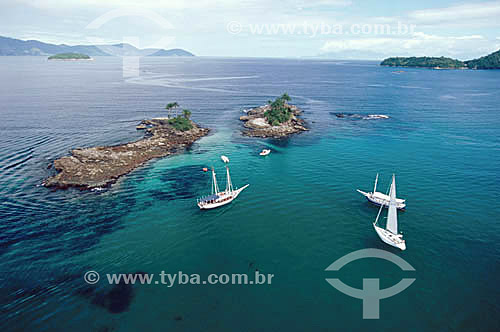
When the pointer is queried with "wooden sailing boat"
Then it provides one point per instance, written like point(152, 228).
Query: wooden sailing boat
point(379, 198)
point(390, 234)
point(219, 198)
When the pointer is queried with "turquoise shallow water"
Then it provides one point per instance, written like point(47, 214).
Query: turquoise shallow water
point(300, 213)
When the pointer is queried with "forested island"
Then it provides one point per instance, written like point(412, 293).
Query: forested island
point(491, 61)
point(426, 62)
point(69, 56)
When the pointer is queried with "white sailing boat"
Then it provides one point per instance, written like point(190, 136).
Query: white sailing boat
point(219, 198)
point(379, 198)
point(390, 234)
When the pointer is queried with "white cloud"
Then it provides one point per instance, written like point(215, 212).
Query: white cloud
point(418, 44)
point(322, 3)
point(187, 4)
point(151, 4)
point(470, 37)
point(458, 13)
point(477, 14)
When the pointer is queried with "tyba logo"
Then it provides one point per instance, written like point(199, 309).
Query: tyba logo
point(371, 294)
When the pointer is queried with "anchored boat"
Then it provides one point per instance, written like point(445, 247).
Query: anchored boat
point(390, 234)
point(265, 152)
point(219, 198)
point(381, 199)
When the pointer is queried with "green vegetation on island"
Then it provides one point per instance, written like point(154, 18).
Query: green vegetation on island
point(70, 56)
point(491, 61)
point(182, 123)
point(279, 112)
point(427, 62)
point(170, 107)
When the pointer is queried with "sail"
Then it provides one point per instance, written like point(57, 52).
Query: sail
point(392, 216)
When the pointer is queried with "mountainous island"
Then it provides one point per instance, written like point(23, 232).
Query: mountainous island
point(172, 52)
point(491, 61)
point(69, 56)
point(17, 47)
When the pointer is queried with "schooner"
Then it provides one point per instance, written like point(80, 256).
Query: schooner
point(379, 198)
point(217, 197)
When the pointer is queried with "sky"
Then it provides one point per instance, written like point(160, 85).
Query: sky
point(341, 29)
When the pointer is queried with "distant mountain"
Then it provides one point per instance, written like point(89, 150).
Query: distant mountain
point(11, 46)
point(491, 61)
point(172, 52)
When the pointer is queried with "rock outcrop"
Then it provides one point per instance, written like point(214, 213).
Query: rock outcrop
point(257, 125)
point(100, 166)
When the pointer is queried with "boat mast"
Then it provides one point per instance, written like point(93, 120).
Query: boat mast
point(229, 185)
point(215, 187)
point(375, 186)
point(378, 214)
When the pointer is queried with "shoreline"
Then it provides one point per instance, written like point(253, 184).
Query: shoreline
point(101, 166)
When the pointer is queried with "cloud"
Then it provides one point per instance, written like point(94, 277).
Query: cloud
point(417, 44)
point(322, 3)
point(186, 4)
point(477, 14)
point(458, 13)
point(458, 30)
point(151, 4)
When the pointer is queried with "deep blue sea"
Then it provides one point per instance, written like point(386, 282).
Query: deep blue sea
point(300, 213)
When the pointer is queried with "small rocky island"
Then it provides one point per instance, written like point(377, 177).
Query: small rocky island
point(100, 166)
point(69, 56)
point(277, 119)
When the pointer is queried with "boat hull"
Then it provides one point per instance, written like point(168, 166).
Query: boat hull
point(226, 198)
point(379, 200)
point(389, 238)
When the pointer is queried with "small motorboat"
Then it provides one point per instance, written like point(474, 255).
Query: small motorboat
point(205, 169)
point(265, 152)
point(224, 159)
point(379, 198)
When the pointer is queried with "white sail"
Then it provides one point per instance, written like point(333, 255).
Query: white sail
point(375, 186)
point(392, 216)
